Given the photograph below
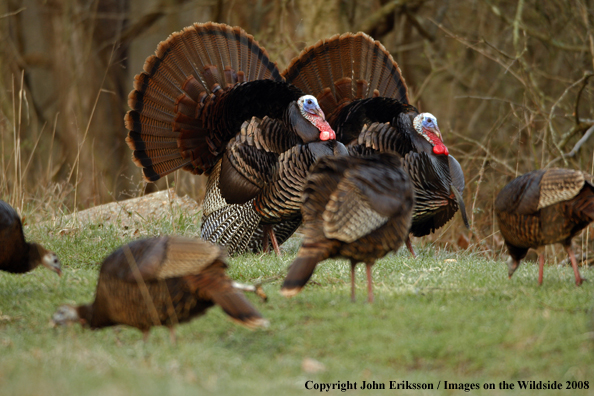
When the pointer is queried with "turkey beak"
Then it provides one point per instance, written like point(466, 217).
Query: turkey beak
point(437, 132)
point(320, 113)
point(512, 266)
point(51, 261)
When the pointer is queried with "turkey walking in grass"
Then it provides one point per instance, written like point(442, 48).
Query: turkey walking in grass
point(211, 101)
point(357, 208)
point(162, 282)
point(361, 89)
point(17, 255)
point(541, 208)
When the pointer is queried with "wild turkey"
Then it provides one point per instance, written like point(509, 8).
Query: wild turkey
point(544, 207)
point(161, 281)
point(211, 101)
point(361, 89)
point(16, 255)
point(358, 208)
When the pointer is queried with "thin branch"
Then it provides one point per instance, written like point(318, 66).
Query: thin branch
point(13, 13)
point(414, 20)
point(375, 18)
point(581, 127)
point(576, 148)
point(586, 77)
point(537, 34)
point(480, 51)
point(486, 150)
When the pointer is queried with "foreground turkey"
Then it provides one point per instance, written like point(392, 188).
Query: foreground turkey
point(544, 207)
point(16, 255)
point(211, 101)
point(361, 89)
point(357, 208)
point(162, 282)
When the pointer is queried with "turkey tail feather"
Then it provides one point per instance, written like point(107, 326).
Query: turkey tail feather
point(302, 269)
point(231, 227)
point(188, 68)
point(461, 205)
point(351, 60)
point(221, 290)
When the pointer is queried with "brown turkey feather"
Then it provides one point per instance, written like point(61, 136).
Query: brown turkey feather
point(362, 91)
point(543, 207)
point(201, 60)
point(16, 255)
point(353, 58)
point(357, 208)
point(162, 281)
point(189, 107)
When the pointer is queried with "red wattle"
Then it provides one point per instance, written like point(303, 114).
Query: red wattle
point(440, 149)
point(326, 131)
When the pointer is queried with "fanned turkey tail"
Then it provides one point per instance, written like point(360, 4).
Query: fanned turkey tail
point(170, 125)
point(344, 68)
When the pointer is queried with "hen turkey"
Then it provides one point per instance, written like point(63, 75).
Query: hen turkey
point(544, 207)
point(360, 86)
point(161, 282)
point(357, 208)
point(211, 101)
point(17, 255)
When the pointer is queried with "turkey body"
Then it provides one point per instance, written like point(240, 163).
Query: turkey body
point(161, 282)
point(541, 208)
point(357, 208)
point(16, 255)
point(360, 86)
point(211, 101)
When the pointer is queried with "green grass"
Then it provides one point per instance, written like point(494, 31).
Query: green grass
point(443, 316)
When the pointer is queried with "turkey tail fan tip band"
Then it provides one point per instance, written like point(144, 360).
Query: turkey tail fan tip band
point(169, 122)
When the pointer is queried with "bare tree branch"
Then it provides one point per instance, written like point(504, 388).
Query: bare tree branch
point(375, 18)
point(575, 148)
point(536, 33)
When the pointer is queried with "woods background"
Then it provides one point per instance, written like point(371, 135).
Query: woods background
point(508, 80)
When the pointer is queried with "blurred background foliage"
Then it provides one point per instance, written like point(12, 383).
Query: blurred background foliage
point(508, 80)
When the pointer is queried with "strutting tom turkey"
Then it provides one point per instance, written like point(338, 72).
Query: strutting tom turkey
point(211, 101)
point(544, 207)
point(162, 282)
point(357, 208)
point(360, 88)
point(17, 255)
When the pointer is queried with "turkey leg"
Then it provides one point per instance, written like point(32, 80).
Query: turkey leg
point(353, 265)
point(369, 283)
point(269, 233)
point(410, 247)
point(578, 278)
point(540, 267)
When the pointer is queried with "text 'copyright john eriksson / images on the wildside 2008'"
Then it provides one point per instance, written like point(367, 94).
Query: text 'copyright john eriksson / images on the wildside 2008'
point(466, 386)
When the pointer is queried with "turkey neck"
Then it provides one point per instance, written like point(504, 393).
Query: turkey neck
point(28, 259)
point(301, 126)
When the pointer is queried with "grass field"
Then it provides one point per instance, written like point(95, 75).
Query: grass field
point(442, 317)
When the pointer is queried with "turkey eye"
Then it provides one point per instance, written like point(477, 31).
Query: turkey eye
point(309, 102)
